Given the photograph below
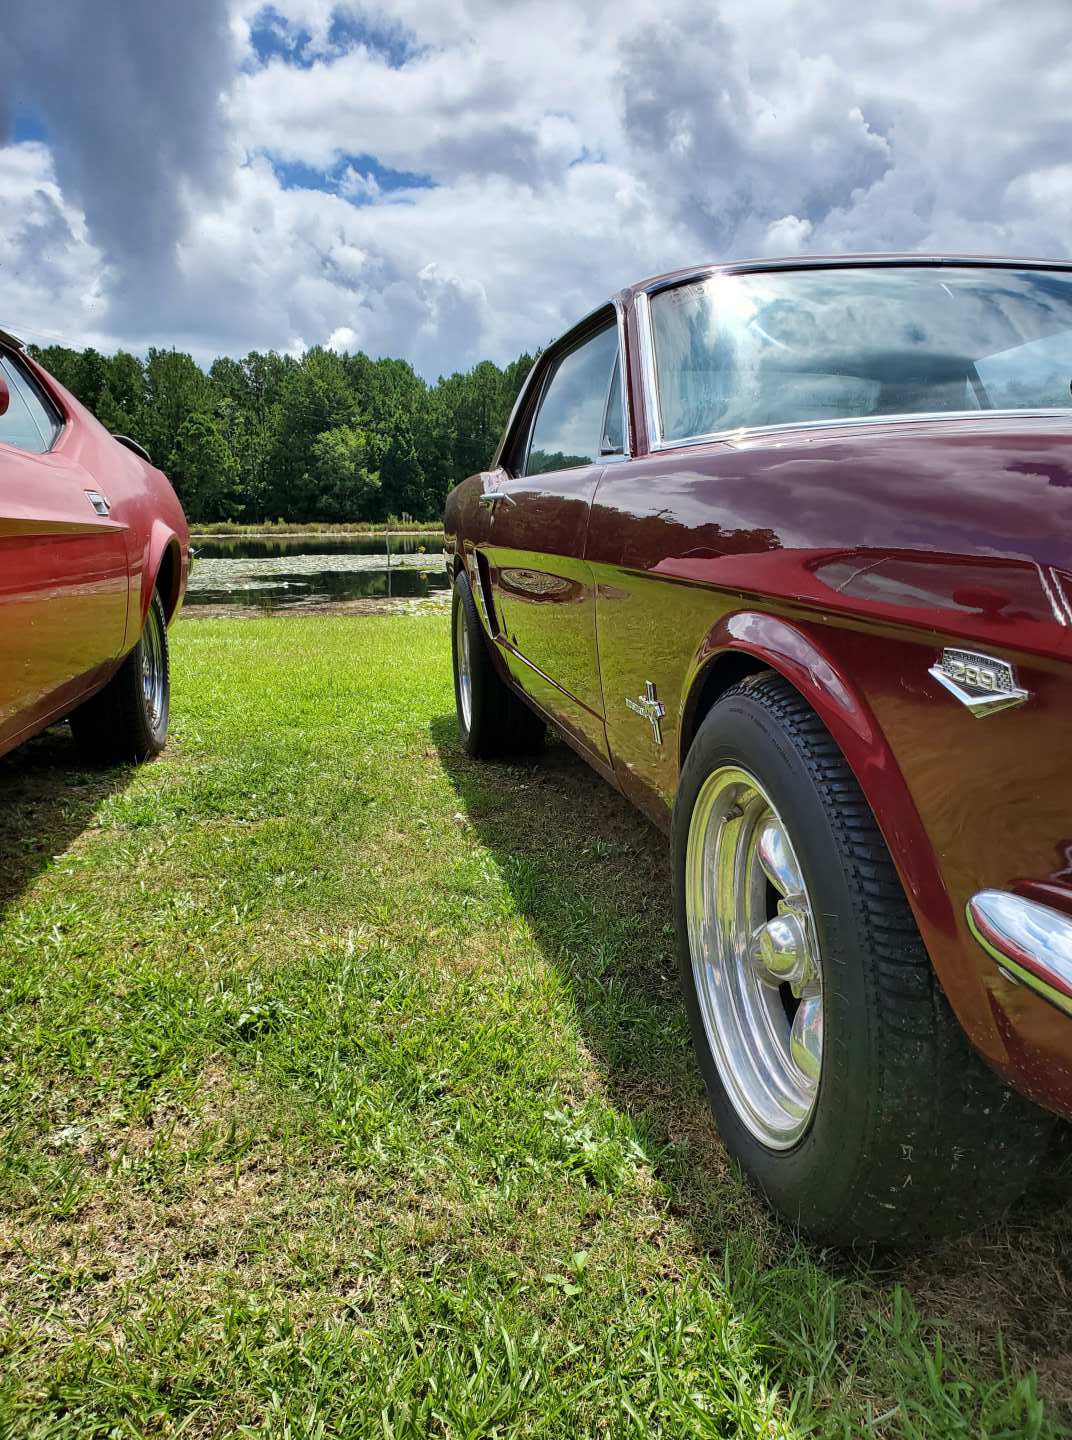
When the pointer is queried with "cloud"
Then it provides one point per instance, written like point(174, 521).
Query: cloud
point(462, 179)
point(130, 98)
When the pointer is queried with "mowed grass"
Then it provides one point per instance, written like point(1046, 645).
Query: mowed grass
point(346, 1092)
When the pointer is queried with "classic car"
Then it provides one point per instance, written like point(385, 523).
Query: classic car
point(94, 555)
point(782, 549)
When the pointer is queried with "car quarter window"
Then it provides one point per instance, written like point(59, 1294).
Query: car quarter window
point(788, 347)
point(574, 422)
point(30, 422)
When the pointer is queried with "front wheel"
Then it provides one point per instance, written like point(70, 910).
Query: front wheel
point(128, 719)
point(838, 1075)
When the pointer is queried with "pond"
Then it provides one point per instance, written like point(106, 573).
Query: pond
point(243, 573)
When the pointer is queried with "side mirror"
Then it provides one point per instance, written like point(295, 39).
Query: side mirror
point(5, 396)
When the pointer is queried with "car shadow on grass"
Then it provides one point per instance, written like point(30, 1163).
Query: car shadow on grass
point(592, 878)
point(48, 796)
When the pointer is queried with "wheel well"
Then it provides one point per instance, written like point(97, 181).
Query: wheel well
point(167, 579)
point(721, 673)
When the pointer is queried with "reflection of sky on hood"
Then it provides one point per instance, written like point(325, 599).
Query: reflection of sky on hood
point(775, 347)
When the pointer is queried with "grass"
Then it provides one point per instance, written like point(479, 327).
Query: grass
point(346, 1092)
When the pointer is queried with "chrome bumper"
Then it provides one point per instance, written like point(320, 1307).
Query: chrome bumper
point(1031, 943)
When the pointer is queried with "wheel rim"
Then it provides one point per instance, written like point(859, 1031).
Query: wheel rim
point(461, 652)
point(755, 959)
point(153, 669)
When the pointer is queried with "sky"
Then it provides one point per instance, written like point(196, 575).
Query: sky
point(461, 180)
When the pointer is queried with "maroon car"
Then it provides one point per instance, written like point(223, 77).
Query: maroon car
point(94, 554)
point(783, 550)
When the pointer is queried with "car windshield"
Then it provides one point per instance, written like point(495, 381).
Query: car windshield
point(787, 347)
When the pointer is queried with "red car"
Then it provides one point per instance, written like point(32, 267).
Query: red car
point(94, 555)
point(784, 550)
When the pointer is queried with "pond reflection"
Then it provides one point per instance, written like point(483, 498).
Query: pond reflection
point(282, 572)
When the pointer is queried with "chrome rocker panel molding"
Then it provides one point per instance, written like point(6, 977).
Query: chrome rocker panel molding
point(1031, 943)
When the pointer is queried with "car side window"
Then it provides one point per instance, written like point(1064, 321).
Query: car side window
point(573, 412)
point(614, 422)
point(30, 422)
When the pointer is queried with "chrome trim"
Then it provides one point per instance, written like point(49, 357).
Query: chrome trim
point(755, 957)
point(650, 708)
point(153, 668)
point(648, 375)
point(464, 668)
point(983, 683)
point(924, 417)
point(1062, 613)
point(1031, 943)
point(629, 449)
point(902, 259)
point(98, 501)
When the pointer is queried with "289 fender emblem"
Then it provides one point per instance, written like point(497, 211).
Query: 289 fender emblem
point(982, 683)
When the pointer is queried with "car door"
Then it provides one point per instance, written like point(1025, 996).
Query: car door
point(63, 565)
point(539, 507)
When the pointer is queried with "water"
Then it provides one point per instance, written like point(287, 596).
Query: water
point(245, 572)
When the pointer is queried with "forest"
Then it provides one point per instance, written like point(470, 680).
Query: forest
point(320, 437)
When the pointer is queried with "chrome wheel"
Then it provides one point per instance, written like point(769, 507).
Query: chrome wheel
point(754, 954)
point(153, 667)
point(461, 652)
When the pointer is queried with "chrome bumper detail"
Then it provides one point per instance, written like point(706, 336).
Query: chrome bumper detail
point(1031, 943)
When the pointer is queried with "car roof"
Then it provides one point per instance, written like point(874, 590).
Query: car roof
point(833, 262)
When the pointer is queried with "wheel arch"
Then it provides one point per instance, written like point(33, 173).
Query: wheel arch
point(163, 572)
point(752, 642)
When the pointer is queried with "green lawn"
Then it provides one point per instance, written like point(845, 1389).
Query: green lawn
point(346, 1092)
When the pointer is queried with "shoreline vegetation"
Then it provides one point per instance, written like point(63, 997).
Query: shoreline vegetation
point(272, 529)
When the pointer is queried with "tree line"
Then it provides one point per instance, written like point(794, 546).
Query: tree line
point(324, 436)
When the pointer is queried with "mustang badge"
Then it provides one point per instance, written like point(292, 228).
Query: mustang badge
point(652, 708)
point(982, 683)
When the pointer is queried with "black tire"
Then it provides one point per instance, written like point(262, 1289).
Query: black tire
point(496, 721)
point(912, 1136)
point(120, 723)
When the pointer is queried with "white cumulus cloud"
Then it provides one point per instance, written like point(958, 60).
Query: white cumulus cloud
point(454, 180)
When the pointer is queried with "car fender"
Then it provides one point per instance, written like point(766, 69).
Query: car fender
point(162, 540)
point(796, 652)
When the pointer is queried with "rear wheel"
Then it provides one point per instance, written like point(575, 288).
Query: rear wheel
point(837, 1073)
point(128, 719)
point(492, 720)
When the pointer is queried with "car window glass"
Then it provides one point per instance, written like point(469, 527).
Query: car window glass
point(789, 347)
point(1036, 374)
point(28, 423)
point(569, 423)
point(18, 426)
point(614, 428)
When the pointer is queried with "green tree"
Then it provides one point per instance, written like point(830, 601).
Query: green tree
point(401, 477)
point(314, 397)
point(320, 437)
point(203, 470)
point(339, 473)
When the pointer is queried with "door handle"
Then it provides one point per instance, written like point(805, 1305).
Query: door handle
point(491, 498)
point(98, 501)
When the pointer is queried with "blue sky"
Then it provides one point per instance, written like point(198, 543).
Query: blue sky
point(457, 180)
